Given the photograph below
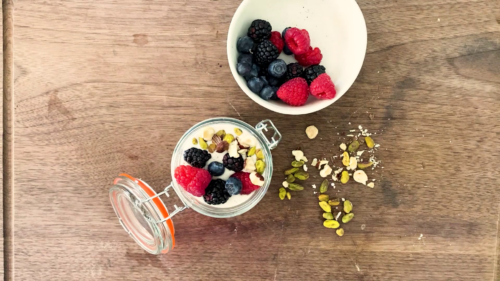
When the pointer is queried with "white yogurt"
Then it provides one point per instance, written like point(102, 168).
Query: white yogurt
point(234, 200)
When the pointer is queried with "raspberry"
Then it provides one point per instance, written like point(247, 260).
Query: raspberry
point(196, 157)
point(297, 40)
point(248, 186)
point(277, 41)
point(193, 180)
point(311, 57)
point(323, 87)
point(294, 92)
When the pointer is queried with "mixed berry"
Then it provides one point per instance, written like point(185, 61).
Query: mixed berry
point(223, 165)
point(270, 77)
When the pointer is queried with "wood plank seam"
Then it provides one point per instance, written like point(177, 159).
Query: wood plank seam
point(8, 138)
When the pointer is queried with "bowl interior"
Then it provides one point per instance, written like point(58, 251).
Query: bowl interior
point(337, 27)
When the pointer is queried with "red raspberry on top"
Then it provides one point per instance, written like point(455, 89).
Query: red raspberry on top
point(323, 87)
point(297, 40)
point(247, 185)
point(193, 180)
point(277, 41)
point(311, 57)
point(294, 92)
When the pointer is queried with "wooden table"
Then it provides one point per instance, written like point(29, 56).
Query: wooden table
point(103, 87)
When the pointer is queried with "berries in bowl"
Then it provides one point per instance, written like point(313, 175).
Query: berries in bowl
point(277, 50)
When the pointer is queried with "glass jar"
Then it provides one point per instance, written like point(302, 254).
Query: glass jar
point(145, 216)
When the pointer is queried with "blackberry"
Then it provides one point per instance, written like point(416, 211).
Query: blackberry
point(233, 164)
point(259, 30)
point(266, 53)
point(312, 72)
point(293, 70)
point(196, 157)
point(216, 193)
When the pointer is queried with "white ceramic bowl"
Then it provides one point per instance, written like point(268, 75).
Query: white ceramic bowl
point(337, 27)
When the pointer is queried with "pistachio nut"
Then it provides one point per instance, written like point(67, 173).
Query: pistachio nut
point(290, 178)
point(195, 141)
point(347, 218)
point(327, 208)
point(340, 232)
point(295, 187)
point(301, 175)
point(364, 165)
point(251, 151)
point(260, 166)
point(328, 216)
point(353, 146)
point(324, 186)
point(334, 202)
point(228, 138)
point(203, 144)
point(297, 164)
point(369, 142)
point(347, 206)
point(331, 224)
point(212, 147)
point(238, 131)
point(289, 196)
point(260, 154)
point(345, 160)
point(345, 177)
point(282, 193)
point(324, 197)
point(291, 171)
point(221, 134)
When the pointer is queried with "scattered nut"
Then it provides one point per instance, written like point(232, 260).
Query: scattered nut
point(343, 146)
point(334, 202)
point(322, 162)
point(353, 146)
point(297, 164)
point(247, 140)
point(295, 187)
point(195, 141)
point(203, 144)
point(331, 224)
point(327, 170)
point(304, 159)
point(260, 166)
point(347, 206)
point(301, 175)
point(208, 133)
point(304, 167)
point(212, 147)
point(238, 131)
point(369, 142)
point(311, 132)
point(324, 187)
point(291, 171)
point(314, 162)
point(282, 193)
point(233, 149)
point(285, 184)
point(249, 166)
point(364, 165)
point(221, 134)
point(347, 218)
point(327, 208)
point(323, 197)
point(257, 179)
point(371, 185)
point(340, 232)
point(289, 196)
point(360, 176)
point(251, 151)
point(260, 154)
point(353, 163)
point(298, 154)
point(228, 138)
point(328, 216)
point(345, 177)
point(345, 159)
point(290, 178)
point(243, 151)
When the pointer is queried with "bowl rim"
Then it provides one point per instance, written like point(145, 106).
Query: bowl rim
point(230, 49)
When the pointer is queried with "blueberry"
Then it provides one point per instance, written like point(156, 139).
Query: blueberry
point(263, 78)
point(233, 186)
point(245, 45)
point(275, 82)
point(244, 69)
point(277, 68)
point(268, 92)
point(255, 84)
point(284, 32)
point(275, 96)
point(245, 58)
point(286, 50)
point(253, 73)
point(216, 169)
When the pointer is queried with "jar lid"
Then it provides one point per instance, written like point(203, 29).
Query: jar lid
point(143, 214)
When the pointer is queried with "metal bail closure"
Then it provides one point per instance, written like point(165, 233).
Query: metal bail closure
point(264, 126)
point(143, 214)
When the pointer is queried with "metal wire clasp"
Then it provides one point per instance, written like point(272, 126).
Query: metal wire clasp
point(275, 139)
point(176, 208)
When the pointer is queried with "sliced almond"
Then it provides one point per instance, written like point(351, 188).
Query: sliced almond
point(360, 176)
point(298, 154)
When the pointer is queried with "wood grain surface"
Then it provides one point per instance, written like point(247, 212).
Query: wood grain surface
point(104, 87)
